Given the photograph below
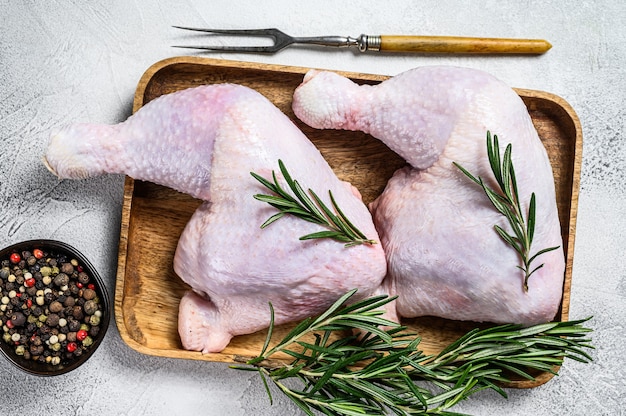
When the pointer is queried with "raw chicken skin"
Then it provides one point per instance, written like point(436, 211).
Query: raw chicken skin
point(205, 142)
point(436, 225)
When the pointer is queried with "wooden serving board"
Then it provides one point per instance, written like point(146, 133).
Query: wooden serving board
point(148, 291)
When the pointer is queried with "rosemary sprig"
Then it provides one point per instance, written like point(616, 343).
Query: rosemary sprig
point(338, 225)
point(507, 202)
point(385, 371)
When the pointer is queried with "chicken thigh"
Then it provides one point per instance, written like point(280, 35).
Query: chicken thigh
point(205, 142)
point(444, 257)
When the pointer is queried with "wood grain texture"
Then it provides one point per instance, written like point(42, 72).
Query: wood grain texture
point(147, 289)
point(456, 44)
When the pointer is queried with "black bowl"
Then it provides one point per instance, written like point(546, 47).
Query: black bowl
point(56, 249)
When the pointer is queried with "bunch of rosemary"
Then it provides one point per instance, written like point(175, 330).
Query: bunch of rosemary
point(507, 202)
point(338, 226)
point(385, 371)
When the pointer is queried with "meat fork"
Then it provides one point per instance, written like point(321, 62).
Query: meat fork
point(382, 43)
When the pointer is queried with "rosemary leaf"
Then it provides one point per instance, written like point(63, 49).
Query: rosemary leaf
point(272, 219)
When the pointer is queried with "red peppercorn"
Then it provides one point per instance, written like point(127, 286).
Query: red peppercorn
point(30, 282)
point(9, 324)
point(79, 268)
point(91, 286)
point(71, 347)
point(81, 335)
point(29, 303)
point(38, 253)
point(15, 258)
point(79, 285)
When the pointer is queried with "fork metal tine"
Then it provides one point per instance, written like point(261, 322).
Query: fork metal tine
point(279, 38)
point(259, 49)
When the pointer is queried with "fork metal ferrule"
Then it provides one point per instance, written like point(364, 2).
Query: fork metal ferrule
point(368, 43)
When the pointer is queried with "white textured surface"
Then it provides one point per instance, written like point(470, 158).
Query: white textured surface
point(80, 61)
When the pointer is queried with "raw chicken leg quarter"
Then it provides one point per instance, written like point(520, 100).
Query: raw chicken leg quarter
point(205, 142)
point(436, 225)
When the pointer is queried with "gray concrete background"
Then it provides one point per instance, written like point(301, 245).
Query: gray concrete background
point(70, 61)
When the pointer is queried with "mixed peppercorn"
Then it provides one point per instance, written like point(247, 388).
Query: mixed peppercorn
point(50, 310)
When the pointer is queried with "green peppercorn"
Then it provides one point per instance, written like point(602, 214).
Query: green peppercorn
point(87, 341)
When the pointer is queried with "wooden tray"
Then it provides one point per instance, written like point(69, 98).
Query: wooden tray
point(148, 291)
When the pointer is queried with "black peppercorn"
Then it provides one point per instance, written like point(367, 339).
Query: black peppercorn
point(77, 312)
point(52, 320)
point(18, 319)
point(89, 294)
point(74, 289)
point(49, 297)
point(93, 331)
point(55, 306)
point(61, 279)
point(67, 268)
point(90, 307)
point(83, 278)
point(73, 325)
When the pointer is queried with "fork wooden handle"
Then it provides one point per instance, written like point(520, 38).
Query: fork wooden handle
point(453, 44)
